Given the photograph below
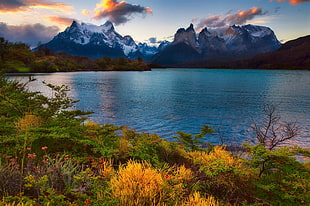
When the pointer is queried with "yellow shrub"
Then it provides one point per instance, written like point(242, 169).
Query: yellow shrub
point(138, 184)
point(91, 124)
point(184, 174)
point(29, 120)
point(3, 203)
point(16, 204)
point(106, 169)
point(217, 161)
point(177, 181)
point(196, 200)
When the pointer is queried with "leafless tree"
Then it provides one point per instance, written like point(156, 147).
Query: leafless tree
point(272, 132)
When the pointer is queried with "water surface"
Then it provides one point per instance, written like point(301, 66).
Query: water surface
point(164, 101)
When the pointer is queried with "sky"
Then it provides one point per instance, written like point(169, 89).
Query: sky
point(150, 21)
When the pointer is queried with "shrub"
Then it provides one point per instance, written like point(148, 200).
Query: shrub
point(222, 174)
point(197, 200)
point(279, 178)
point(138, 184)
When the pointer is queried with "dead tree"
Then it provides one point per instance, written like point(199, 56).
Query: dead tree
point(272, 132)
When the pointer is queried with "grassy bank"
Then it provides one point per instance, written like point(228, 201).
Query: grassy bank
point(50, 155)
point(19, 58)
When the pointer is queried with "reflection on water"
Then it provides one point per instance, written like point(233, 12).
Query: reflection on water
point(164, 101)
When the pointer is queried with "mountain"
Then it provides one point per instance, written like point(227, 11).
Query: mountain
point(96, 41)
point(294, 54)
point(148, 52)
point(230, 42)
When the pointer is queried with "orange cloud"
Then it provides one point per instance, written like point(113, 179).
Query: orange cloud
point(61, 20)
point(118, 12)
point(293, 2)
point(240, 17)
point(85, 12)
point(24, 5)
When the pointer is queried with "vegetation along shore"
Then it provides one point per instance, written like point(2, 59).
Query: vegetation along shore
point(53, 155)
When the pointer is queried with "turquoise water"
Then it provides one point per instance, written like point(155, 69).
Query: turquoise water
point(164, 101)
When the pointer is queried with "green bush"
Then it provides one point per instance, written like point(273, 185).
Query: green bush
point(50, 155)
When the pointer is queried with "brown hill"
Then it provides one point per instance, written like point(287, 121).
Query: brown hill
point(294, 54)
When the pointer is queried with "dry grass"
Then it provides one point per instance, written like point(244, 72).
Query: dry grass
point(138, 184)
point(196, 200)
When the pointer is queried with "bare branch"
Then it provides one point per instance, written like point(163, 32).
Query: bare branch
point(273, 133)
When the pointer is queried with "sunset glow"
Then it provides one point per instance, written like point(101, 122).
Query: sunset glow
point(159, 19)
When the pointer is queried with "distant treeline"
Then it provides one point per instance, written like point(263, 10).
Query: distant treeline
point(19, 58)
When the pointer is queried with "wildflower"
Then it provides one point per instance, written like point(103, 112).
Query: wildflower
point(32, 156)
point(44, 148)
point(89, 157)
point(7, 156)
point(87, 202)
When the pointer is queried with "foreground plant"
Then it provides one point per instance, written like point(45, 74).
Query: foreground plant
point(138, 184)
point(279, 178)
point(51, 156)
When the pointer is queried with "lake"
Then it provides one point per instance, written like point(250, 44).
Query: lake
point(164, 101)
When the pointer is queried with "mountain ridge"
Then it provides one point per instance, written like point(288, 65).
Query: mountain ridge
point(234, 41)
point(238, 44)
point(294, 54)
point(96, 41)
point(84, 39)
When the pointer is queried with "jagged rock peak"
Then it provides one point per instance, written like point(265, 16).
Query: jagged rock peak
point(74, 23)
point(190, 28)
point(109, 25)
point(187, 36)
point(205, 31)
point(80, 27)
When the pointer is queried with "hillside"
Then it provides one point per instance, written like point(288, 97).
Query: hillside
point(294, 54)
point(19, 58)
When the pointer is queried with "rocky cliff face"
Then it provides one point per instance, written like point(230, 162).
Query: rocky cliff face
point(232, 41)
point(187, 36)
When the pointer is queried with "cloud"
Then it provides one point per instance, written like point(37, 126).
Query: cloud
point(294, 2)
point(11, 6)
point(61, 20)
point(24, 5)
point(30, 34)
point(241, 17)
point(118, 12)
point(213, 21)
point(85, 12)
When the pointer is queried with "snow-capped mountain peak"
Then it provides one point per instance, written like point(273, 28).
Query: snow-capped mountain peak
point(98, 41)
point(86, 39)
